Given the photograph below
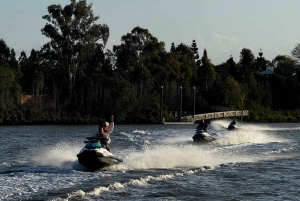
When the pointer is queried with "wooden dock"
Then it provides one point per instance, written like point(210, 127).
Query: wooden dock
point(179, 122)
point(215, 115)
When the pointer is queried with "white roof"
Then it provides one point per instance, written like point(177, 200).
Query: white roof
point(267, 72)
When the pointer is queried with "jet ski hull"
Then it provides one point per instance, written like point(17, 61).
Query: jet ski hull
point(202, 138)
point(95, 159)
point(232, 127)
point(95, 156)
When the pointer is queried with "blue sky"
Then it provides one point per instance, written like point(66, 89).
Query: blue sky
point(223, 27)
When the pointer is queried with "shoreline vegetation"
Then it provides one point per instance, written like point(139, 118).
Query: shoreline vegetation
point(73, 80)
point(40, 118)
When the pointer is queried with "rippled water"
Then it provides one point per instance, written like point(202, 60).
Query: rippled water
point(161, 162)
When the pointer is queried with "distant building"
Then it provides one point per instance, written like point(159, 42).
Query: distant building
point(267, 72)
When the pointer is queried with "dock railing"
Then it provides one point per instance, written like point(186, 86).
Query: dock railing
point(215, 115)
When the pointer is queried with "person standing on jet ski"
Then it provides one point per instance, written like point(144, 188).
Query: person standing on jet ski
point(233, 123)
point(202, 126)
point(104, 131)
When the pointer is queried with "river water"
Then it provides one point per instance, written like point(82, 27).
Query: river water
point(161, 162)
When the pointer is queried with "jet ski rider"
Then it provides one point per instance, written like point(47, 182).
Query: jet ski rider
point(104, 131)
point(202, 126)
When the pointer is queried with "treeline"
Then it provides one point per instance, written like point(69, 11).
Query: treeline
point(72, 79)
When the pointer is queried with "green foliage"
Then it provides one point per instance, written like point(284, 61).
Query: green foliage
point(10, 89)
point(261, 114)
point(231, 92)
point(75, 38)
point(296, 53)
point(194, 48)
point(246, 58)
point(261, 63)
point(206, 74)
point(284, 66)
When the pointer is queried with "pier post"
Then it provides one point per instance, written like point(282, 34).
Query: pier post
point(161, 104)
point(180, 110)
point(194, 105)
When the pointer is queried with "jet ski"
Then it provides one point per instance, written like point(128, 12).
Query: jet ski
point(232, 126)
point(202, 136)
point(94, 154)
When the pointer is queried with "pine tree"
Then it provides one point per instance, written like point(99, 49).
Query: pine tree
point(194, 48)
point(261, 62)
point(173, 49)
point(205, 53)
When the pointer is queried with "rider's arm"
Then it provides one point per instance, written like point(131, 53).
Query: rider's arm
point(110, 128)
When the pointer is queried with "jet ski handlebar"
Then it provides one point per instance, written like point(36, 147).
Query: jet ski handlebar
point(94, 138)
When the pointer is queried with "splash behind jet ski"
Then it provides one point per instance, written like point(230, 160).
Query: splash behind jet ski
point(95, 156)
point(202, 136)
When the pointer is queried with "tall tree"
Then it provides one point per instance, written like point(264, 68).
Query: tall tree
point(204, 53)
point(33, 73)
point(233, 70)
point(194, 48)
point(296, 53)
point(74, 37)
point(246, 58)
point(4, 52)
point(231, 91)
point(206, 73)
point(284, 66)
point(245, 64)
point(227, 69)
point(261, 63)
point(10, 90)
point(187, 64)
point(172, 48)
point(139, 61)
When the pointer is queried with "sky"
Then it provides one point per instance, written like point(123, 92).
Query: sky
point(222, 27)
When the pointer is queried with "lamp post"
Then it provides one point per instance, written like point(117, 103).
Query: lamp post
point(194, 105)
point(180, 110)
point(243, 99)
point(161, 104)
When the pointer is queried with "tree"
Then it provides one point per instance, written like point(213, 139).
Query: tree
point(139, 60)
point(232, 92)
point(172, 48)
point(8, 56)
point(206, 73)
point(296, 53)
point(74, 37)
point(4, 53)
point(194, 48)
point(204, 53)
point(261, 63)
point(246, 58)
point(245, 65)
point(186, 74)
point(187, 64)
point(227, 69)
point(284, 66)
point(33, 73)
point(233, 70)
point(8, 99)
point(10, 90)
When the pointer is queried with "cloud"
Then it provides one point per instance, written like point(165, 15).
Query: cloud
point(219, 47)
point(216, 39)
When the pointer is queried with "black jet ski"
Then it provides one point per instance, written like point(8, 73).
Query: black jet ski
point(202, 136)
point(232, 126)
point(94, 154)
